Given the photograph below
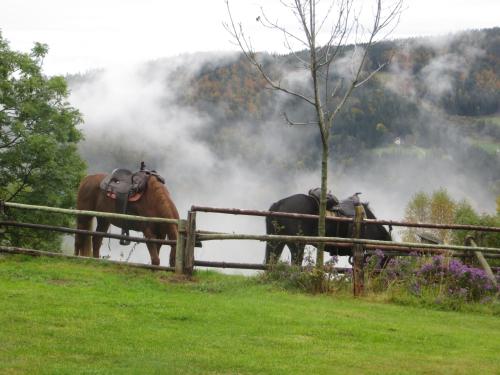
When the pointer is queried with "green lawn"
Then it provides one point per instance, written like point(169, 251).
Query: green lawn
point(494, 119)
point(77, 317)
point(490, 147)
point(407, 150)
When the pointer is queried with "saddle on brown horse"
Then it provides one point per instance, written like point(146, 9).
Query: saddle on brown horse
point(125, 186)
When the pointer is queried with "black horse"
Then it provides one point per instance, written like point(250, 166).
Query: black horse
point(306, 204)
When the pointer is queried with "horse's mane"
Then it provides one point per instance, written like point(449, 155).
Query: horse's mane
point(368, 211)
point(162, 196)
point(371, 215)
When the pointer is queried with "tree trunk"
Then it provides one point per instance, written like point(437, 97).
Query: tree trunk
point(322, 205)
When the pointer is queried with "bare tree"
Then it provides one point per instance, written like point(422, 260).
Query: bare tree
point(331, 33)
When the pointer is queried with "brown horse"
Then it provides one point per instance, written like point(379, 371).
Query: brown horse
point(155, 202)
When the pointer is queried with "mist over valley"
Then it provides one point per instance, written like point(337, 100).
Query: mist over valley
point(208, 124)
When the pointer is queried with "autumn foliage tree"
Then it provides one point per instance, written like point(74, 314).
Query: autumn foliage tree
point(439, 207)
point(435, 208)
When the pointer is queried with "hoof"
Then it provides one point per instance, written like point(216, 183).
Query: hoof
point(155, 262)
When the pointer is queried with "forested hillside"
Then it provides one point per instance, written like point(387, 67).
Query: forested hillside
point(439, 98)
point(457, 76)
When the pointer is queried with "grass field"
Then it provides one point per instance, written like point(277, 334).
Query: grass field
point(77, 317)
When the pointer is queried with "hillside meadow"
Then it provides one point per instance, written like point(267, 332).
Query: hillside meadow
point(79, 317)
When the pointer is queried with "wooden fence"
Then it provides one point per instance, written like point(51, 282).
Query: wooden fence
point(189, 235)
point(356, 243)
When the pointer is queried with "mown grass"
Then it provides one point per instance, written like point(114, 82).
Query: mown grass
point(73, 317)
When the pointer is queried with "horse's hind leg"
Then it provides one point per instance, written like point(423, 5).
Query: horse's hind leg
point(273, 251)
point(171, 235)
point(102, 226)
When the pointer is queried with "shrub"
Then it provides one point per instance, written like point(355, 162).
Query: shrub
point(307, 278)
point(438, 281)
point(456, 280)
point(397, 270)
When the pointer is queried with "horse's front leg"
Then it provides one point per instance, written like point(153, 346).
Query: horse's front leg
point(153, 248)
point(102, 226)
point(297, 252)
point(273, 251)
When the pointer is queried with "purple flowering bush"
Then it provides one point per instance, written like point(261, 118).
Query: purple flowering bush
point(455, 279)
point(383, 272)
point(438, 280)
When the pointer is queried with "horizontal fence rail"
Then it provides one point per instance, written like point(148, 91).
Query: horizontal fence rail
point(236, 211)
point(404, 250)
point(91, 213)
point(313, 239)
point(32, 252)
point(250, 266)
point(247, 266)
point(87, 232)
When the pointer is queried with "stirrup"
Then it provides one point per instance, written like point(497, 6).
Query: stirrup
point(124, 241)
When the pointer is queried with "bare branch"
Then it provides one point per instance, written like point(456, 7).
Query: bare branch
point(339, 84)
point(370, 75)
point(24, 183)
point(308, 29)
point(250, 54)
point(266, 22)
point(327, 15)
point(10, 143)
point(322, 58)
point(395, 13)
point(304, 63)
point(293, 123)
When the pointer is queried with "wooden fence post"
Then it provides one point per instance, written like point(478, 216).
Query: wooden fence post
point(2, 214)
point(190, 243)
point(469, 241)
point(358, 274)
point(181, 242)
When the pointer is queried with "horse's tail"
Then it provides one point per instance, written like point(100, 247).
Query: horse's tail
point(85, 201)
point(271, 220)
point(83, 242)
point(271, 225)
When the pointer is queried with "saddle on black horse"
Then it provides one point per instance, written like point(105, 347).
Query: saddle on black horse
point(334, 207)
point(125, 186)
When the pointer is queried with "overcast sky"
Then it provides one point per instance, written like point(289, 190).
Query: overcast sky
point(94, 33)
